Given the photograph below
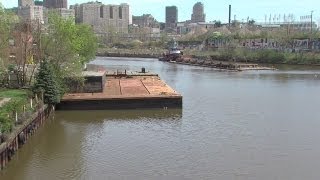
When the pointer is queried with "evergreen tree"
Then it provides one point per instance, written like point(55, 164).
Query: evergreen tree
point(46, 83)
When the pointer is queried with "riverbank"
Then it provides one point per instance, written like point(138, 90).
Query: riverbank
point(260, 56)
point(134, 53)
point(222, 65)
point(240, 55)
point(21, 133)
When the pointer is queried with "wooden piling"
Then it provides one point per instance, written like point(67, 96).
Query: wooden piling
point(8, 148)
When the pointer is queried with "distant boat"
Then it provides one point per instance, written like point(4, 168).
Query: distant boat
point(174, 50)
point(173, 53)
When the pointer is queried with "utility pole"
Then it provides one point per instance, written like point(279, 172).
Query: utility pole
point(311, 31)
point(311, 21)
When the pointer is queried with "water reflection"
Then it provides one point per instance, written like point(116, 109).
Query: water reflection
point(234, 125)
point(96, 116)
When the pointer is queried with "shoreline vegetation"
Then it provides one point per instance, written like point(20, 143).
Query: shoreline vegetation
point(261, 56)
point(35, 60)
point(18, 103)
point(34, 63)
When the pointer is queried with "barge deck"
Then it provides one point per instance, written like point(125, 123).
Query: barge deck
point(125, 91)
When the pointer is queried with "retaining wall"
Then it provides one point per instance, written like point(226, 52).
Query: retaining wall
point(21, 133)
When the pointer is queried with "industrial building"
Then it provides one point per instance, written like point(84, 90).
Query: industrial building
point(103, 18)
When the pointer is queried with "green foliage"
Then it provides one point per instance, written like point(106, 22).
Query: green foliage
point(86, 42)
point(217, 24)
point(46, 84)
point(15, 94)
point(251, 22)
point(6, 24)
point(215, 35)
point(68, 42)
point(270, 56)
point(67, 47)
point(11, 67)
point(259, 56)
point(135, 44)
point(18, 99)
point(5, 122)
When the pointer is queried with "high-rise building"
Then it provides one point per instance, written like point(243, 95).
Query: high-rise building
point(23, 3)
point(52, 4)
point(103, 18)
point(171, 18)
point(198, 13)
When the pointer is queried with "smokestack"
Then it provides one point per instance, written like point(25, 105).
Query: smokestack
point(229, 15)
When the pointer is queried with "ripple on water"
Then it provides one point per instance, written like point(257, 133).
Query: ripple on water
point(248, 125)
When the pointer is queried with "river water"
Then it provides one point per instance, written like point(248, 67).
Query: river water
point(234, 125)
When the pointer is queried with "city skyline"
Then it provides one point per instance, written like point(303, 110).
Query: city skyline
point(213, 10)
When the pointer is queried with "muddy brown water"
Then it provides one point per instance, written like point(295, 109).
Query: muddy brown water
point(234, 125)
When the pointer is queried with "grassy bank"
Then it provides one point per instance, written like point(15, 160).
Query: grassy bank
point(258, 56)
point(15, 94)
point(18, 98)
point(235, 54)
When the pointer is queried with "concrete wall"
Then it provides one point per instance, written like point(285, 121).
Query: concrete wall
point(21, 134)
point(92, 84)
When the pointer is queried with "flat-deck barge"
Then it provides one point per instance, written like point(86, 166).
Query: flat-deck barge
point(125, 91)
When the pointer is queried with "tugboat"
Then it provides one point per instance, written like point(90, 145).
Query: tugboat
point(173, 53)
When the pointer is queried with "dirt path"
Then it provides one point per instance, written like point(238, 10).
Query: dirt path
point(3, 101)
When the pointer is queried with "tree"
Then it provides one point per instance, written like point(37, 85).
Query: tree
point(67, 47)
point(16, 47)
point(23, 38)
point(85, 42)
point(47, 84)
point(251, 22)
point(217, 24)
point(7, 20)
point(68, 43)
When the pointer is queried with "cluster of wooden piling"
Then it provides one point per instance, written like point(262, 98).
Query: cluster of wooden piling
point(21, 134)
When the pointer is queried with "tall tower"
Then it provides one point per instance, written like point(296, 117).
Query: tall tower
point(52, 4)
point(198, 13)
point(171, 18)
point(23, 3)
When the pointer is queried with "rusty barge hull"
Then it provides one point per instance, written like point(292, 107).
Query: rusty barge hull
point(122, 103)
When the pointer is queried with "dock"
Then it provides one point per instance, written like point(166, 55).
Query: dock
point(129, 90)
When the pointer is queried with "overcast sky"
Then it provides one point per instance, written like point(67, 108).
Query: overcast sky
point(215, 9)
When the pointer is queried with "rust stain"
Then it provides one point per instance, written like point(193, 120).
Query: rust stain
point(134, 87)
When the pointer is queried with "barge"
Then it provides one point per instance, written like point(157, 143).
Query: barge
point(128, 90)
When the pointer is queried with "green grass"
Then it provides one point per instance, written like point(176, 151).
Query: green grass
point(15, 94)
point(259, 56)
point(18, 99)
